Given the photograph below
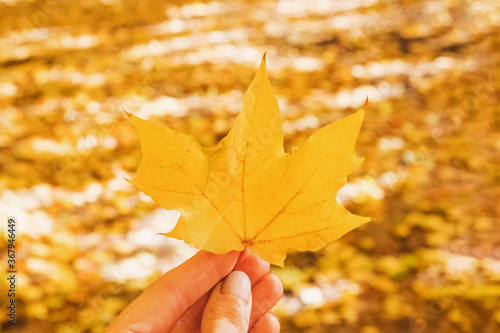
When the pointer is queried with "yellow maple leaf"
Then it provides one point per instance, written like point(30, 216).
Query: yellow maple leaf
point(248, 192)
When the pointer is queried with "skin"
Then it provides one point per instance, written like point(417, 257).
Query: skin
point(189, 298)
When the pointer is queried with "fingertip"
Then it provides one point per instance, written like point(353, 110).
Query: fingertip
point(266, 293)
point(243, 255)
point(268, 323)
point(276, 283)
point(262, 262)
point(253, 266)
point(229, 307)
point(238, 284)
point(274, 319)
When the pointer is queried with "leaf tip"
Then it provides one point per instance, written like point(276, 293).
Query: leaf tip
point(127, 113)
point(280, 263)
point(263, 62)
point(366, 103)
point(131, 181)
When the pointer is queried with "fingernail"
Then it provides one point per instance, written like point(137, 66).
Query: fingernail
point(238, 284)
point(274, 314)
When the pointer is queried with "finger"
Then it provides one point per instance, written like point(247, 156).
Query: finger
point(250, 264)
point(253, 266)
point(228, 308)
point(190, 322)
point(268, 323)
point(166, 299)
point(265, 294)
point(243, 255)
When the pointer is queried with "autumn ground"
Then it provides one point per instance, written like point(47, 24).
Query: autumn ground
point(86, 242)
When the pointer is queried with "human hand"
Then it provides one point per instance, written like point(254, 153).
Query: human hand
point(193, 298)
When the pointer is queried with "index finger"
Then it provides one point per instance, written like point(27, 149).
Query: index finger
point(166, 299)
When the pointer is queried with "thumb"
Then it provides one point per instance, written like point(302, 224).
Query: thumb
point(228, 309)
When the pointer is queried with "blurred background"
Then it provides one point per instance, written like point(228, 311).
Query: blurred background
point(86, 243)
